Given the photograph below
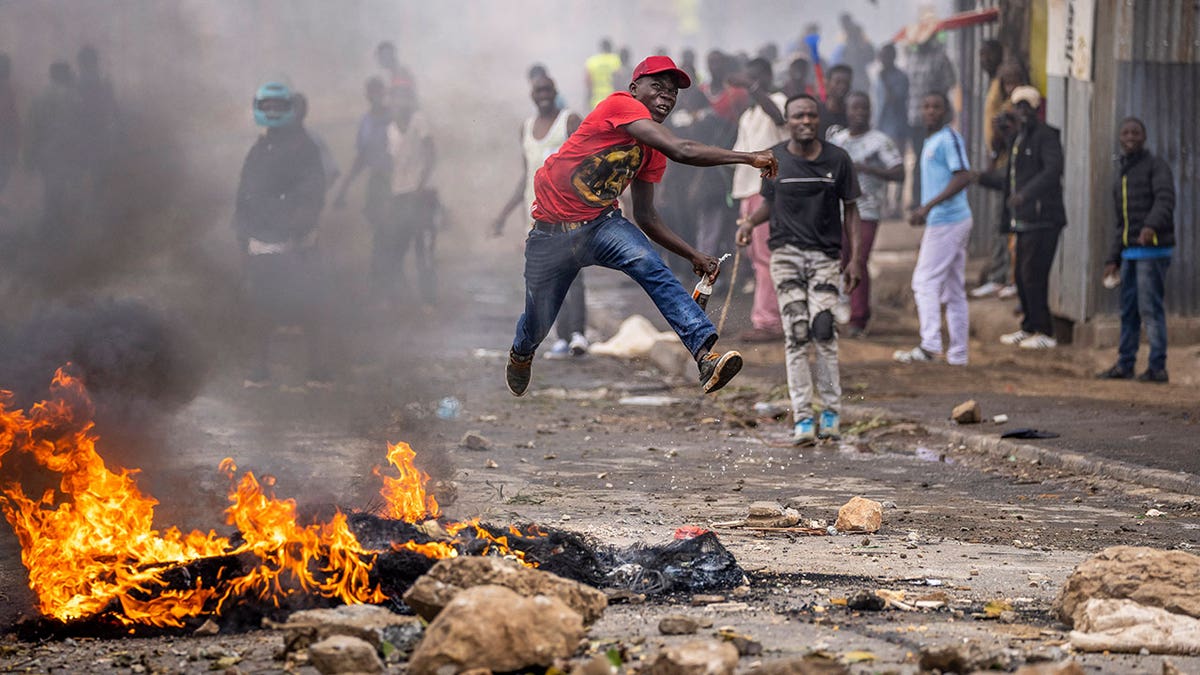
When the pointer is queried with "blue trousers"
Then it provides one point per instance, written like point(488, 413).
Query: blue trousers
point(1142, 300)
point(552, 261)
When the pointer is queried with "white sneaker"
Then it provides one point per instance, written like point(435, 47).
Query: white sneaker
point(578, 344)
point(1038, 341)
point(985, 290)
point(1006, 292)
point(1014, 338)
point(914, 355)
point(560, 350)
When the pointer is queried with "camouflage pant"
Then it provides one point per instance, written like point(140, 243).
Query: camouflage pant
point(807, 283)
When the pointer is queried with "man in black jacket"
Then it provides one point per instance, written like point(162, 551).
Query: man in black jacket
point(1033, 208)
point(279, 201)
point(1144, 197)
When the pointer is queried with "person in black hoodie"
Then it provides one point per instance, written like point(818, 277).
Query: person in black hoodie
point(1033, 208)
point(279, 201)
point(1144, 197)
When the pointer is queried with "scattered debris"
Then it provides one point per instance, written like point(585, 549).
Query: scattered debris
point(859, 515)
point(1127, 626)
point(1028, 434)
point(492, 627)
point(1154, 513)
point(865, 601)
point(994, 609)
point(701, 599)
point(706, 657)
point(967, 412)
point(813, 664)
point(999, 419)
point(771, 514)
point(963, 657)
point(374, 625)
point(474, 440)
point(679, 624)
point(745, 645)
point(635, 337)
point(1151, 577)
point(652, 400)
point(1059, 668)
point(344, 654)
point(452, 576)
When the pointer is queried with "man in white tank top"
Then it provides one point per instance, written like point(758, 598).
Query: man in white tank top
point(541, 136)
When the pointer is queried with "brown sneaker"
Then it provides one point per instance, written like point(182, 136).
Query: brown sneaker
point(761, 335)
point(518, 372)
point(716, 370)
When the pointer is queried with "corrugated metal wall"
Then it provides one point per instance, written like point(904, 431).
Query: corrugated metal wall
point(985, 204)
point(1158, 80)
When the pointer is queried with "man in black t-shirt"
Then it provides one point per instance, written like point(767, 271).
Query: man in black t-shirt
point(805, 203)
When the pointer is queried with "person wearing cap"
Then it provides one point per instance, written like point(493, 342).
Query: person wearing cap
point(1144, 238)
point(1033, 209)
point(578, 223)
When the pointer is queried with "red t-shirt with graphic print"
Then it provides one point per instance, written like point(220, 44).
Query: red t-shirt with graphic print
point(595, 165)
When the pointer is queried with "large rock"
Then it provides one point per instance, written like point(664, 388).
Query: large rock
point(1166, 579)
point(859, 515)
point(375, 625)
point(495, 628)
point(344, 654)
point(702, 657)
point(451, 576)
point(1127, 626)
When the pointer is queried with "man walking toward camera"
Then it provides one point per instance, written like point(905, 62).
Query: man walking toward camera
point(577, 222)
point(816, 184)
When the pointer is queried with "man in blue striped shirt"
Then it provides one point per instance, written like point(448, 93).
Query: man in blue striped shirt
point(940, 274)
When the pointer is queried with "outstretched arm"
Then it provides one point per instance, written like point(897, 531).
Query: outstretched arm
point(695, 153)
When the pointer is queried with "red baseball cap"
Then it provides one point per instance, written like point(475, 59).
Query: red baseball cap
point(653, 65)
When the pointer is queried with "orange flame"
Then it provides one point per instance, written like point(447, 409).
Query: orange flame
point(406, 497)
point(90, 546)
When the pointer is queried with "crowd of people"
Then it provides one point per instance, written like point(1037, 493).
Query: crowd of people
point(795, 156)
point(837, 148)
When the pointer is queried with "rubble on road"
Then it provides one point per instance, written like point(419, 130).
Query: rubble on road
point(801, 665)
point(706, 657)
point(1060, 668)
point(967, 412)
point(1129, 627)
point(493, 627)
point(679, 624)
point(449, 577)
point(339, 654)
point(635, 338)
point(1152, 577)
point(474, 440)
point(859, 515)
point(374, 625)
point(964, 657)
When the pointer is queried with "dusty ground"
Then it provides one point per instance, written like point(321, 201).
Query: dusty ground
point(570, 454)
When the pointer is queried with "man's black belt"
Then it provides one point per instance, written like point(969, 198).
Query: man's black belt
point(556, 228)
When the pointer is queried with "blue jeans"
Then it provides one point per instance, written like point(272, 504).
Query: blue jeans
point(1142, 300)
point(553, 260)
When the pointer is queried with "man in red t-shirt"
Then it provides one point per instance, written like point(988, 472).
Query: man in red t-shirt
point(577, 221)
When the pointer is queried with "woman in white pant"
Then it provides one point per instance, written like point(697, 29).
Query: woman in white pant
point(939, 277)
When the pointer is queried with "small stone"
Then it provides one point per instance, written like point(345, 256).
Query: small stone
point(765, 510)
point(344, 654)
point(865, 601)
point(491, 464)
point(473, 440)
point(967, 412)
point(209, 627)
point(695, 658)
point(702, 599)
point(678, 624)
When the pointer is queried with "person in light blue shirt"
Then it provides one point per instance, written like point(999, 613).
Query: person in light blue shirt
point(940, 274)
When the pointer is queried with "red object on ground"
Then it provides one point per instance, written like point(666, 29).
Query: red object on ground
point(690, 532)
